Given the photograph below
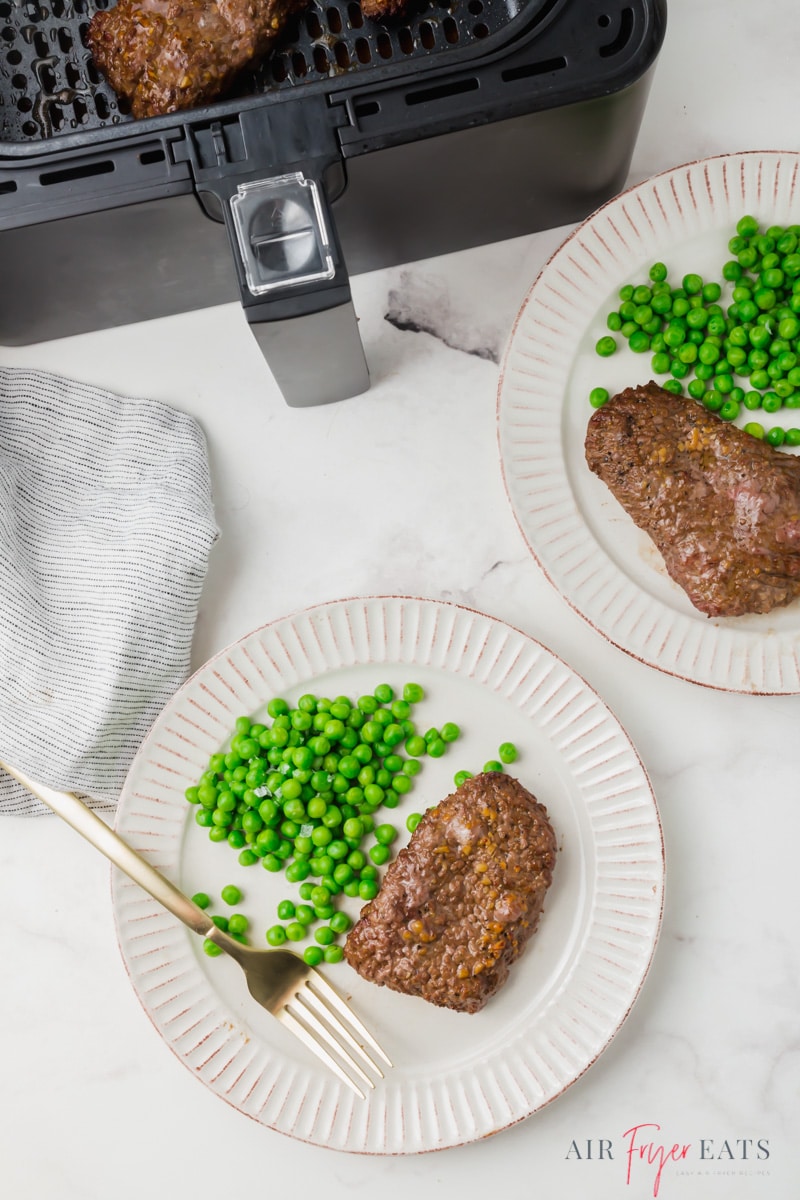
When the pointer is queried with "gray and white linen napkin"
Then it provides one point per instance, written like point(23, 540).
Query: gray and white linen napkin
point(106, 523)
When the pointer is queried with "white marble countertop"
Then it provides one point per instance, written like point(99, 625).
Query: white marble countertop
point(400, 490)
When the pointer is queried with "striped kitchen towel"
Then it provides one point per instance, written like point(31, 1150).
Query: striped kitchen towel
point(106, 523)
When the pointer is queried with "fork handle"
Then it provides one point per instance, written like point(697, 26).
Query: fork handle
point(103, 838)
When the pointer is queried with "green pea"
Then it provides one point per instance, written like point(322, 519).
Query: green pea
point(313, 955)
point(461, 777)
point(211, 948)
point(238, 923)
point(597, 398)
point(276, 935)
point(507, 752)
point(333, 954)
point(492, 765)
point(380, 854)
point(708, 353)
point(606, 346)
point(385, 834)
point(353, 828)
point(201, 899)
point(324, 935)
point(729, 410)
point(416, 745)
point(412, 821)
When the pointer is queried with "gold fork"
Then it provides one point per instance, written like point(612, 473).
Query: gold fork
point(280, 981)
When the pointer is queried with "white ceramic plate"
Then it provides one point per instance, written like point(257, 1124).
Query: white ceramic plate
point(606, 568)
point(457, 1077)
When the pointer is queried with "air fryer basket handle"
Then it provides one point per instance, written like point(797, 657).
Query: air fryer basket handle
point(293, 282)
point(316, 357)
point(295, 290)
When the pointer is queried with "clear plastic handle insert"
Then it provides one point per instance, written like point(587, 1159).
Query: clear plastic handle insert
point(282, 233)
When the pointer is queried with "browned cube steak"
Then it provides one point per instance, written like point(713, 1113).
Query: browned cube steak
point(167, 55)
point(461, 900)
point(722, 506)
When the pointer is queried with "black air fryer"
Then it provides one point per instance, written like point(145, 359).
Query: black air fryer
point(355, 146)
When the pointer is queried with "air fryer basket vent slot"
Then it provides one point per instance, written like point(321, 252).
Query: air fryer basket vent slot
point(621, 36)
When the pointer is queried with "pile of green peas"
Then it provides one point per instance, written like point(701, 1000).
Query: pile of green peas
point(299, 794)
point(741, 355)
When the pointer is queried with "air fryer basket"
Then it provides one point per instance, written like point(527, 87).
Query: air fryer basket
point(505, 113)
point(50, 86)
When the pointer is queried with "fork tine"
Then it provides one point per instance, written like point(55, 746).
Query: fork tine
point(300, 1010)
point(286, 1018)
point(317, 1004)
point(334, 1000)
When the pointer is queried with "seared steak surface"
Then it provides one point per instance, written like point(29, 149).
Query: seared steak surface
point(722, 506)
point(461, 899)
point(166, 55)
